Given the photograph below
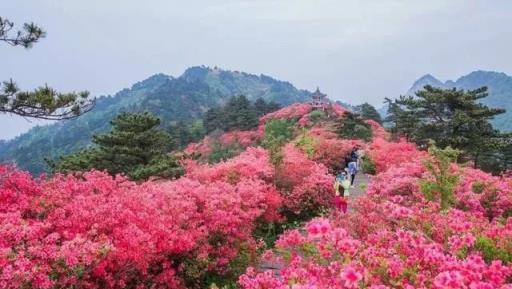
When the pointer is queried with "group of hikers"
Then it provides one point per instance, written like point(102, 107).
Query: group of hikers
point(345, 178)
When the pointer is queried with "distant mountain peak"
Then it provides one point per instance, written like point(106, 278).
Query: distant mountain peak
point(426, 79)
point(153, 80)
point(498, 83)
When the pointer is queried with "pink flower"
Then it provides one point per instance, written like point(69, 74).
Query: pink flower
point(351, 277)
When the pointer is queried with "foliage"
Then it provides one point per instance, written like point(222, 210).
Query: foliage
point(444, 182)
point(450, 117)
point(277, 133)
point(44, 102)
point(306, 143)
point(30, 34)
point(95, 231)
point(368, 111)
point(500, 88)
point(134, 147)
point(171, 99)
point(394, 237)
point(352, 126)
point(221, 152)
point(491, 252)
point(317, 116)
point(183, 134)
point(262, 107)
point(237, 114)
point(368, 166)
point(324, 146)
point(204, 229)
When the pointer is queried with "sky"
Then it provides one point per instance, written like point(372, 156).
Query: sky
point(355, 51)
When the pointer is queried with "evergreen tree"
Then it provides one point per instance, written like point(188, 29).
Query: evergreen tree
point(238, 113)
point(214, 119)
point(182, 134)
point(368, 111)
point(449, 117)
point(262, 107)
point(352, 126)
point(43, 102)
point(135, 147)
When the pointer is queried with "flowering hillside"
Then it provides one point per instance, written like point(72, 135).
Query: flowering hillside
point(217, 222)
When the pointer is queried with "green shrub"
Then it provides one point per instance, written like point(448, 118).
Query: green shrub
point(306, 144)
point(491, 252)
point(316, 116)
point(352, 126)
point(444, 182)
point(277, 133)
point(222, 153)
point(368, 166)
point(478, 187)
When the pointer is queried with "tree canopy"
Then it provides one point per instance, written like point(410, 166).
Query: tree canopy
point(238, 113)
point(449, 117)
point(135, 147)
point(353, 126)
point(368, 111)
point(43, 102)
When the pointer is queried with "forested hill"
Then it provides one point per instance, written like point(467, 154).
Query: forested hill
point(498, 83)
point(171, 99)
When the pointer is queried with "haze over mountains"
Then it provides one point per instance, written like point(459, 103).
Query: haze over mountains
point(190, 95)
point(171, 98)
point(499, 87)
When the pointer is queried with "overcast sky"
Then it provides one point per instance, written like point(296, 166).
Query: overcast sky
point(355, 51)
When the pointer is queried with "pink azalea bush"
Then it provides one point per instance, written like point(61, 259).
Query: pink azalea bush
point(294, 111)
point(97, 232)
point(395, 237)
point(330, 150)
point(305, 184)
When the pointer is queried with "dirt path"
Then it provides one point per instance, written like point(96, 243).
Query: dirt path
point(361, 182)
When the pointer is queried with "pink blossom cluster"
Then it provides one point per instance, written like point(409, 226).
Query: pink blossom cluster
point(304, 184)
point(394, 237)
point(330, 150)
point(244, 138)
point(387, 154)
point(294, 111)
point(95, 231)
point(377, 129)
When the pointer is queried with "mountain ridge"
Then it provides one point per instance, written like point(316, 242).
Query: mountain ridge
point(499, 86)
point(185, 97)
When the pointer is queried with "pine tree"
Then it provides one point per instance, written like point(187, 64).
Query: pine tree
point(134, 146)
point(182, 134)
point(449, 117)
point(262, 107)
point(214, 119)
point(238, 113)
point(44, 102)
point(368, 111)
point(352, 126)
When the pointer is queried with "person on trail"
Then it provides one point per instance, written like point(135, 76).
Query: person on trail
point(353, 154)
point(341, 187)
point(352, 171)
point(360, 156)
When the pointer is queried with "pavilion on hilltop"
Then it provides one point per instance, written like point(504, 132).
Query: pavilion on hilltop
point(319, 100)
